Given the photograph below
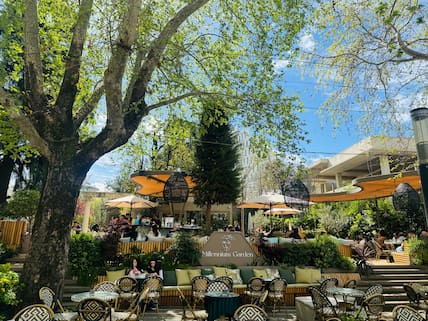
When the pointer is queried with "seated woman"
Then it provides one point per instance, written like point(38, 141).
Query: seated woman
point(154, 232)
point(154, 269)
point(135, 270)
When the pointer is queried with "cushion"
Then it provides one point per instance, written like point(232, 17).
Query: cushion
point(169, 278)
point(182, 277)
point(207, 271)
point(193, 272)
point(287, 275)
point(220, 271)
point(272, 273)
point(234, 275)
point(316, 275)
point(308, 275)
point(246, 275)
point(259, 273)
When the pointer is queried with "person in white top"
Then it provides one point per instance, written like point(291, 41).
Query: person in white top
point(135, 269)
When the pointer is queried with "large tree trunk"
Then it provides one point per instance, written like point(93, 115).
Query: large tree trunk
point(208, 219)
point(51, 231)
point(6, 168)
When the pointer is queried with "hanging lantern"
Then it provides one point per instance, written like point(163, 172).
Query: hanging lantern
point(176, 189)
point(295, 192)
point(406, 198)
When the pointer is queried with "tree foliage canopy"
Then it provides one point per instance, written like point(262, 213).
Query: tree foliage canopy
point(79, 77)
point(376, 53)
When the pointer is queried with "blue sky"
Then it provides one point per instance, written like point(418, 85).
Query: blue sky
point(325, 140)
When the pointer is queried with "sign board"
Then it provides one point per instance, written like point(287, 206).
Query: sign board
point(226, 248)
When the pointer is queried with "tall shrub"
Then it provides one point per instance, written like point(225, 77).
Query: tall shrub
point(84, 257)
point(328, 256)
point(185, 251)
point(9, 282)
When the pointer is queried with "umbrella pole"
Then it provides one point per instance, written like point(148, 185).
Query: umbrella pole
point(242, 222)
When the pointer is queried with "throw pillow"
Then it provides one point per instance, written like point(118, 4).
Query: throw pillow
point(316, 275)
point(182, 277)
point(287, 275)
point(260, 273)
point(207, 271)
point(303, 275)
point(219, 271)
point(169, 278)
point(235, 275)
point(193, 273)
point(246, 275)
point(272, 273)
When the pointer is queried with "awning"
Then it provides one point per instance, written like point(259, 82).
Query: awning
point(371, 187)
point(152, 183)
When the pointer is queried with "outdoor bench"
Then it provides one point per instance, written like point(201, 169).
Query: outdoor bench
point(298, 281)
point(170, 294)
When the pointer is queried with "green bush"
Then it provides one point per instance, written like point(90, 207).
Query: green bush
point(328, 256)
point(184, 251)
point(5, 252)
point(84, 257)
point(418, 251)
point(297, 254)
point(9, 282)
point(322, 253)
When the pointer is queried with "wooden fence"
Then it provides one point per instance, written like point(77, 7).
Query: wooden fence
point(12, 231)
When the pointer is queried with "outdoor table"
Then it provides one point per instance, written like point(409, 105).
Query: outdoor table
point(140, 279)
point(102, 295)
point(392, 244)
point(219, 304)
point(345, 292)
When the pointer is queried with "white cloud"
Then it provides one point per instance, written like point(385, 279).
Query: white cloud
point(280, 64)
point(307, 42)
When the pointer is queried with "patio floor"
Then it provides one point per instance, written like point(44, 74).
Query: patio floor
point(174, 314)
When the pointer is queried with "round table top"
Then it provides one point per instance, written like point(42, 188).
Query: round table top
point(222, 294)
point(103, 295)
point(140, 276)
point(345, 291)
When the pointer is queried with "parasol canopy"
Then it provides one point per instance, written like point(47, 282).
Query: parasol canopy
point(282, 211)
point(131, 201)
point(152, 183)
point(269, 198)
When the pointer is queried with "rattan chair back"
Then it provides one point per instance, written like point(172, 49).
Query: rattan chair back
point(34, 312)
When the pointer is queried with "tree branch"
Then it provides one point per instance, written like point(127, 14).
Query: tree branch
point(87, 108)
point(158, 46)
point(116, 68)
point(178, 98)
point(33, 71)
point(413, 53)
point(25, 125)
point(68, 90)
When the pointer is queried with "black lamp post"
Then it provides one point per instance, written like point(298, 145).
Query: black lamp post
point(420, 128)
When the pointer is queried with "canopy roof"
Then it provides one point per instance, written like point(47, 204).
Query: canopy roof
point(371, 187)
point(152, 183)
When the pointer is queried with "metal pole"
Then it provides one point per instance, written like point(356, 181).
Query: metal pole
point(420, 127)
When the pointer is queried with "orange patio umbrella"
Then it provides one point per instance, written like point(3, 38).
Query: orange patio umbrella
point(152, 183)
point(371, 187)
